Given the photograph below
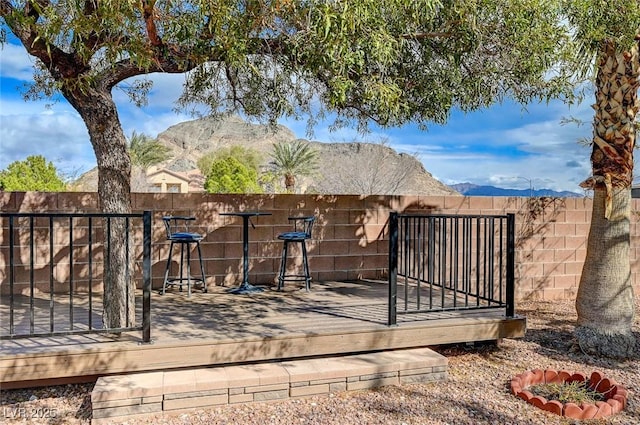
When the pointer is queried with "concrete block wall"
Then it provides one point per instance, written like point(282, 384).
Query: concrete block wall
point(350, 239)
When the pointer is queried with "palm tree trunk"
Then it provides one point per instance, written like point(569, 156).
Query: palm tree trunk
point(605, 301)
point(290, 183)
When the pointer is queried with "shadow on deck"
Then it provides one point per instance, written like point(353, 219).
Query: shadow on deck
point(218, 328)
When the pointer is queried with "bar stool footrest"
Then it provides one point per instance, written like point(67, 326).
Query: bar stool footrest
point(297, 277)
point(177, 281)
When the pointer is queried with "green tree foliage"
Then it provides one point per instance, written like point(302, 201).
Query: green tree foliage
point(229, 175)
point(290, 160)
point(145, 151)
point(251, 158)
point(32, 174)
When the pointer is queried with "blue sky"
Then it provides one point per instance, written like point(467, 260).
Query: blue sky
point(503, 146)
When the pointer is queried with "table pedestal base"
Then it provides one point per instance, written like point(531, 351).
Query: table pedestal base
point(245, 288)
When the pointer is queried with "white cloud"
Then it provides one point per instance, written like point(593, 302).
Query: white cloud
point(159, 113)
point(534, 150)
point(166, 89)
point(539, 172)
point(16, 63)
point(554, 170)
point(141, 121)
point(61, 137)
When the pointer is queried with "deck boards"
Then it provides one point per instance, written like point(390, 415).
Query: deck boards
point(221, 328)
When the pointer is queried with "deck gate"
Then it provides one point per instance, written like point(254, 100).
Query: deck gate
point(450, 262)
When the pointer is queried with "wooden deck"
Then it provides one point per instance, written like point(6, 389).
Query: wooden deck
point(219, 328)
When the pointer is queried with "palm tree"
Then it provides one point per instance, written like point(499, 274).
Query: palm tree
point(145, 151)
point(293, 159)
point(605, 300)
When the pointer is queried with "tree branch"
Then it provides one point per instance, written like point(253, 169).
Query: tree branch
point(148, 7)
point(5, 8)
point(93, 40)
point(32, 11)
point(60, 64)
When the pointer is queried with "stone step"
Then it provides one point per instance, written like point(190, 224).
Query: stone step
point(123, 397)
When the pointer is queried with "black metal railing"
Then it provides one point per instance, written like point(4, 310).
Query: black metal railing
point(53, 275)
point(450, 262)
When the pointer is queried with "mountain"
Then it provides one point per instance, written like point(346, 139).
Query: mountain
point(470, 189)
point(344, 168)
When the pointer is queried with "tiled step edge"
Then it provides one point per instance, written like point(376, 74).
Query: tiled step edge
point(119, 398)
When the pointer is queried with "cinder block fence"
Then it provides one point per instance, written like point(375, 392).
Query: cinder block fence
point(350, 240)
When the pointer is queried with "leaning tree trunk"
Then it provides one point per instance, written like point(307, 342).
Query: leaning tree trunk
point(97, 109)
point(605, 301)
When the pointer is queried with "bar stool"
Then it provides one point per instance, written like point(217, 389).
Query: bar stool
point(172, 224)
point(302, 227)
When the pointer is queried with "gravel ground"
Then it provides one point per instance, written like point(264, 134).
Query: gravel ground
point(477, 391)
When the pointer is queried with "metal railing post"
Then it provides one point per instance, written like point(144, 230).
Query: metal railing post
point(511, 264)
point(393, 269)
point(11, 274)
point(146, 278)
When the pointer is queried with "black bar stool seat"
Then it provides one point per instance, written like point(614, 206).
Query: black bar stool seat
point(302, 227)
point(185, 239)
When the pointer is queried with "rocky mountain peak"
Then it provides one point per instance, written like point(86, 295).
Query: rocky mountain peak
point(210, 133)
point(344, 168)
point(357, 168)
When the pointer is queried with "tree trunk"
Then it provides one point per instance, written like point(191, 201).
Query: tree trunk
point(605, 301)
point(98, 110)
point(289, 183)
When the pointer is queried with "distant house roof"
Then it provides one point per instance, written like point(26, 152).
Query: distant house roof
point(153, 174)
point(168, 181)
